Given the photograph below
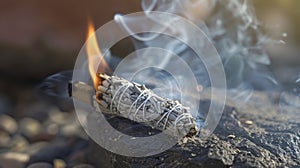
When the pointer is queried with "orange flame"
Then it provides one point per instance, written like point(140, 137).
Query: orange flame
point(96, 61)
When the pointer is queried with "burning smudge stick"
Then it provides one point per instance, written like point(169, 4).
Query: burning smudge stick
point(133, 101)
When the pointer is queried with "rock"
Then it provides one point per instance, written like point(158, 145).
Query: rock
point(52, 129)
point(79, 153)
point(58, 163)
point(8, 124)
point(4, 139)
point(40, 165)
point(272, 139)
point(71, 129)
point(84, 166)
point(34, 148)
point(18, 143)
point(61, 118)
point(231, 136)
point(13, 159)
point(30, 127)
point(249, 122)
point(51, 151)
point(77, 157)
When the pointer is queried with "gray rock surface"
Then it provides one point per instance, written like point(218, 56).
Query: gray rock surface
point(256, 133)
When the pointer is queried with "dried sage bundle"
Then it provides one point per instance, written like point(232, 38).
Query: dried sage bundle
point(117, 96)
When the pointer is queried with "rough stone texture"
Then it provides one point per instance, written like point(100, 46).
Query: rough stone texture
point(253, 134)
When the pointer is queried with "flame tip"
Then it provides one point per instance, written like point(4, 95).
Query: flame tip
point(94, 55)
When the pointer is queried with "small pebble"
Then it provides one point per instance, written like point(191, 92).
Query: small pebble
point(52, 129)
point(70, 130)
point(193, 154)
point(58, 163)
point(8, 124)
point(40, 165)
point(77, 157)
point(4, 139)
point(30, 127)
point(84, 166)
point(60, 118)
point(249, 122)
point(13, 160)
point(18, 143)
point(231, 136)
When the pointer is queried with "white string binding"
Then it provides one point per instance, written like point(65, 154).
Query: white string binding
point(145, 96)
point(149, 94)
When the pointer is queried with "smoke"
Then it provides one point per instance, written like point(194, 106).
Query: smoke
point(231, 26)
point(238, 37)
point(291, 97)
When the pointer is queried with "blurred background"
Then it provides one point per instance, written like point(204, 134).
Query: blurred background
point(40, 38)
point(282, 20)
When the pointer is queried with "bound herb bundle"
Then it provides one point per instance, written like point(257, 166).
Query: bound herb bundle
point(120, 97)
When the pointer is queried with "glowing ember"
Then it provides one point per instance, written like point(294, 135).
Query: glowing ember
point(96, 61)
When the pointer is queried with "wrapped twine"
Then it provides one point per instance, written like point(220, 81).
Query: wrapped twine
point(120, 97)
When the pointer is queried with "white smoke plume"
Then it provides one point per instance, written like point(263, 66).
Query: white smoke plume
point(232, 27)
